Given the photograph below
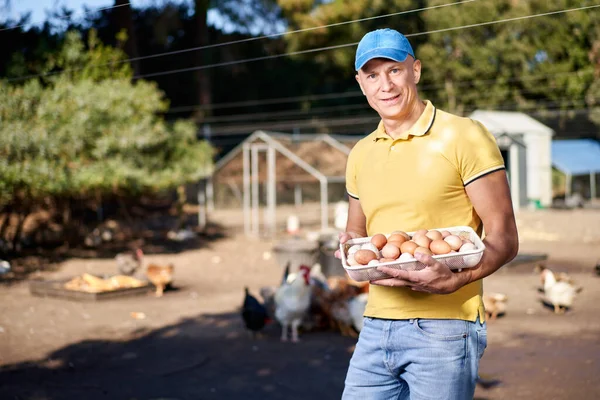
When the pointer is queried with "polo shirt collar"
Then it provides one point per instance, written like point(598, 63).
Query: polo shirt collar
point(420, 127)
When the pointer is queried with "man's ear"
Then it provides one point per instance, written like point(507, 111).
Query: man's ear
point(359, 84)
point(417, 70)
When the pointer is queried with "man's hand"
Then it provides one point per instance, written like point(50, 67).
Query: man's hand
point(434, 278)
point(344, 237)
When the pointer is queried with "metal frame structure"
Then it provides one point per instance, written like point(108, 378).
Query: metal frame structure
point(268, 143)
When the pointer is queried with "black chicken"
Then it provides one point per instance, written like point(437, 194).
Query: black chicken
point(254, 314)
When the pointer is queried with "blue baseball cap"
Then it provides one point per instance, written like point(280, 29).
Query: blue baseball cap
point(382, 43)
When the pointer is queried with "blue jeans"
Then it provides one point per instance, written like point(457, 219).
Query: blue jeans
point(416, 359)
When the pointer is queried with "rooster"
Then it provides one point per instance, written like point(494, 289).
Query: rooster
point(292, 301)
point(254, 314)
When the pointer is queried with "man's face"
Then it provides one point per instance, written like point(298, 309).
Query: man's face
point(390, 86)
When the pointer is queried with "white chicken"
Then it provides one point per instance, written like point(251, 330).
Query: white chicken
point(356, 308)
point(559, 294)
point(292, 301)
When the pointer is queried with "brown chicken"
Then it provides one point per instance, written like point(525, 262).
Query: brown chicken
point(161, 276)
point(333, 303)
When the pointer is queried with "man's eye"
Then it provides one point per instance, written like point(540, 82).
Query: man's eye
point(395, 71)
point(371, 76)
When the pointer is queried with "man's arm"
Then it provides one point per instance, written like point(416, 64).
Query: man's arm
point(490, 196)
point(357, 222)
point(491, 199)
point(356, 225)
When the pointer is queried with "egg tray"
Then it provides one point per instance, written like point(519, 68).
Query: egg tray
point(454, 261)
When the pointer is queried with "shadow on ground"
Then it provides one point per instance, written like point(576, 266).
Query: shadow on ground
point(207, 357)
point(151, 241)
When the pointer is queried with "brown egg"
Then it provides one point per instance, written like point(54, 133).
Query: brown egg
point(396, 237)
point(379, 240)
point(364, 256)
point(391, 250)
point(420, 232)
point(454, 242)
point(401, 233)
point(408, 247)
point(445, 234)
point(396, 243)
point(422, 241)
point(434, 235)
point(423, 250)
point(440, 247)
point(384, 260)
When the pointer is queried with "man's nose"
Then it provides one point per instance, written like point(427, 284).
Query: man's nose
point(386, 83)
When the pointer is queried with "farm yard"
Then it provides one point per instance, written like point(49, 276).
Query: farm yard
point(191, 343)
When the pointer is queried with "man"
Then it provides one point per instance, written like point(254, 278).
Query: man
point(424, 331)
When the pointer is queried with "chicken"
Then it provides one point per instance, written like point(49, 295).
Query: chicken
point(356, 308)
point(161, 276)
point(4, 267)
point(559, 294)
point(292, 301)
point(341, 305)
point(494, 304)
point(128, 263)
point(254, 314)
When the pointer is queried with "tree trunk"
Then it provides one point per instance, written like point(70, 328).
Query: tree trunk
point(16, 242)
point(123, 17)
point(203, 84)
point(449, 85)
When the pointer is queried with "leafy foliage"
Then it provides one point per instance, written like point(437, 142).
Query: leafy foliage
point(91, 132)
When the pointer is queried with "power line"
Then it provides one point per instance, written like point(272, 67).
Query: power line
point(357, 93)
point(210, 46)
point(247, 117)
point(222, 64)
point(228, 63)
point(68, 16)
point(240, 129)
point(241, 41)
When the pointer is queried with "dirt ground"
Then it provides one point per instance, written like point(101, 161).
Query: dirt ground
point(191, 343)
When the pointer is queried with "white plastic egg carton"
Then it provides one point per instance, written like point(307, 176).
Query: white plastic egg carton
point(454, 261)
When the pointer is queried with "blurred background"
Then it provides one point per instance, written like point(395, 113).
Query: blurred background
point(214, 134)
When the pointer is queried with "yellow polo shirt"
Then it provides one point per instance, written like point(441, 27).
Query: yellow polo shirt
point(418, 181)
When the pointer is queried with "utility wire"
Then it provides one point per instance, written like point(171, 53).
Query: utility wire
point(210, 46)
point(201, 67)
point(358, 93)
point(68, 16)
point(240, 129)
point(309, 113)
point(223, 64)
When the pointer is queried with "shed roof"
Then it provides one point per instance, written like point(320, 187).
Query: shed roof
point(324, 154)
point(510, 122)
point(576, 156)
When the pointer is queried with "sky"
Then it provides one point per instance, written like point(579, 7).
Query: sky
point(39, 9)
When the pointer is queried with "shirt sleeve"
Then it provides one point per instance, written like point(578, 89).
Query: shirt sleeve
point(351, 168)
point(477, 153)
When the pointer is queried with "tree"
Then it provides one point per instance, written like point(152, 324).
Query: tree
point(91, 132)
point(529, 64)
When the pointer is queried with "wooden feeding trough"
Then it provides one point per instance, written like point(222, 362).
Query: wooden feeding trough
point(90, 288)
